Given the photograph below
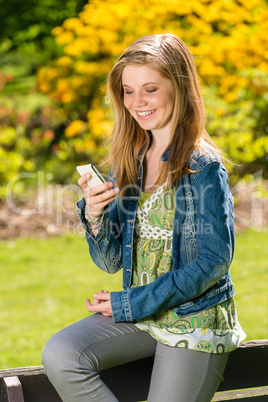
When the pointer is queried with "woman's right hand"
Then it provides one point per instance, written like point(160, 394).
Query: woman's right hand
point(97, 197)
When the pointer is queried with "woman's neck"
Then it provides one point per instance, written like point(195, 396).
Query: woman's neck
point(151, 166)
point(160, 140)
point(152, 161)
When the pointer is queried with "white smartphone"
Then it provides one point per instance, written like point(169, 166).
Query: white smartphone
point(95, 179)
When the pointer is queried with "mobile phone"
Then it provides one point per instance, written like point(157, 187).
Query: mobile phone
point(95, 179)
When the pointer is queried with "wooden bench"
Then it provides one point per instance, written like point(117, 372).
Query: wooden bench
point(245, 378)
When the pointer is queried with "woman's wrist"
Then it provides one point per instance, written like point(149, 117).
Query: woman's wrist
point(94, 223)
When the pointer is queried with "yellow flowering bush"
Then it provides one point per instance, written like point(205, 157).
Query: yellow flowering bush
point(228, 39)
point(75, 128)
point(27, 141)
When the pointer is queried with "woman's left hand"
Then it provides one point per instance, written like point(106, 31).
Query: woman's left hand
point(101, 304)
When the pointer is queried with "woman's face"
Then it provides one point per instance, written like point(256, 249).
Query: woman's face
point(149, 98)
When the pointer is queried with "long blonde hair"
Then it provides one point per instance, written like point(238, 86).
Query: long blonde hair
point(168, 55)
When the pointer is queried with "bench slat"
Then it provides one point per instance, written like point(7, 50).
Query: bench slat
point(36, 386)
point(246, 367)
point(240, 394)
point(13, 389)
point(246, 370)
point(22, 371)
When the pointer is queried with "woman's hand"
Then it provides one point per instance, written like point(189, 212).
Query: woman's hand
point(101, 304)
point(97, 197)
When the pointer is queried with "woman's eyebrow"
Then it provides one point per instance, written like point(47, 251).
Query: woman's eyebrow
point(147, 83)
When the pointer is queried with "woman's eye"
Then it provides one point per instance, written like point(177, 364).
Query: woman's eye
point(150, 91)
point(128, 92)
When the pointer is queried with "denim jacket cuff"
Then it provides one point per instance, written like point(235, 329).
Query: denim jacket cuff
point(120, 306)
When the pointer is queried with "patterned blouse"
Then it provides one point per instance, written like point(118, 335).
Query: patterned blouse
point(215, 330)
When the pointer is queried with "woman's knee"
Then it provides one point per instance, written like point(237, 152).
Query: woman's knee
point(59, 354)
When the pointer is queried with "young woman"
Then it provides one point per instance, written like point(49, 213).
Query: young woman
point(167, 221)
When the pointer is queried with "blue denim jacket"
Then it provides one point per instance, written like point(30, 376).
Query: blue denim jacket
point(203, 245)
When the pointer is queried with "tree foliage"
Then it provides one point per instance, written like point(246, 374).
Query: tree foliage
point(228, 39)
point(30, 126)
point(26, 25)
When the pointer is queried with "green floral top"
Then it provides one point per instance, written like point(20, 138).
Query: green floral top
point(215, 330)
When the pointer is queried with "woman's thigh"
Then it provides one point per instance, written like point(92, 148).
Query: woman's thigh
point(181, 375)
point(74, 356)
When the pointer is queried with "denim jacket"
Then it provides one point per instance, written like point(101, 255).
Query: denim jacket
point(203, 245)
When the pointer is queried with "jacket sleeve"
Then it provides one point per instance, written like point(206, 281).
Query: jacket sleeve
point(214, 254)
point(105, 249)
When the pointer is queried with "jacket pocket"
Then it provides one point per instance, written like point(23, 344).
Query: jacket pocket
point(210, 298)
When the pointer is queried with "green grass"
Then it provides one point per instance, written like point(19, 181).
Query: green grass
point(44, 284)
point(250, 276)
point(43, 287)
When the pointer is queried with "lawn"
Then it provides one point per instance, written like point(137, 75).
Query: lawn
point(44, 284)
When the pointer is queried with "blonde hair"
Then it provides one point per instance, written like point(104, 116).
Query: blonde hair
point(168, 55)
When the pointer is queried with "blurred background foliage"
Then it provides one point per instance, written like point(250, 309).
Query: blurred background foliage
point(55, 57)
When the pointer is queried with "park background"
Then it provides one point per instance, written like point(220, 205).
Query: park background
point(54, 60)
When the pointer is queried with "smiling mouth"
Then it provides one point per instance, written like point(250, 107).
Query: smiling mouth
point(145, 114)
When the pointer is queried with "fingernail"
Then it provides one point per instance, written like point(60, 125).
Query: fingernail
point(116, 190)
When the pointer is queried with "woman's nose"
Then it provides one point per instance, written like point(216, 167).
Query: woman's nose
point(139, 100)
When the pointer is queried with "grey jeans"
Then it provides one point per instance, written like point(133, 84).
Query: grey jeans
point(74, 356)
